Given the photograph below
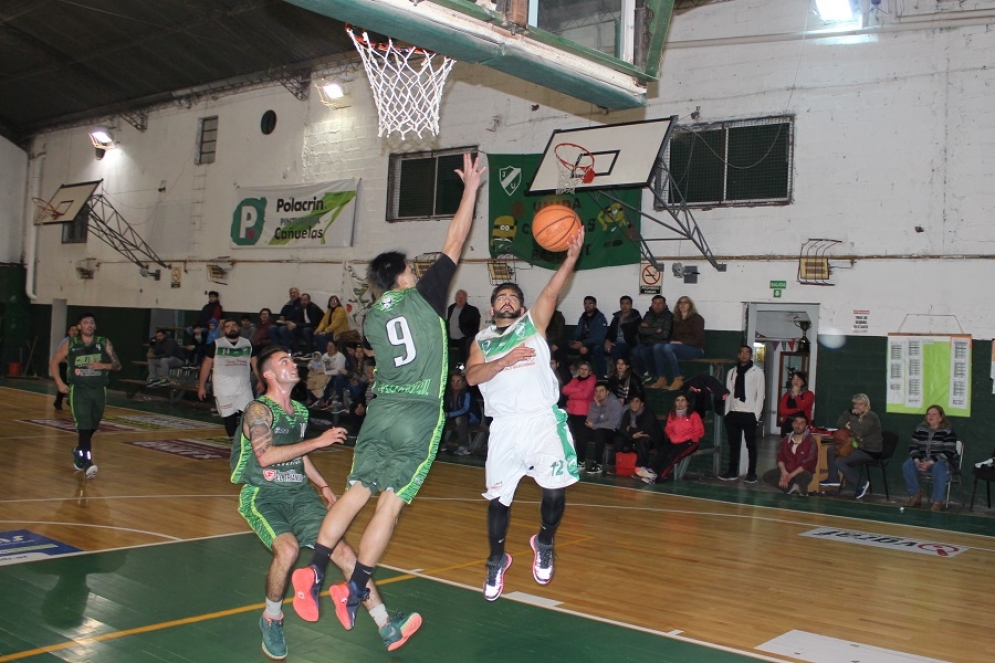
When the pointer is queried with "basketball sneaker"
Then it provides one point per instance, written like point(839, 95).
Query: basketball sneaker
point(542, 565)
point(274, 644)
point(494, 584)
point(90, 470)
point(347, 597)
point(79, 459)
point(399, 628)
point(307, 589)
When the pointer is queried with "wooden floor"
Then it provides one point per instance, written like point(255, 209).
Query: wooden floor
point(719, 569)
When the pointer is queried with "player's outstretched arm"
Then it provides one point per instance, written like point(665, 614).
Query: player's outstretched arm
point(459, 228)
point(545, 304)
point(257, 425)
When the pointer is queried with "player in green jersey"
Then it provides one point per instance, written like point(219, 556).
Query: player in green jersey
point(90, 358)
point(270, 457)
point(400, 437)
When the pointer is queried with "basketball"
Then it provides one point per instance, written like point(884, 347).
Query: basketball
point(554, 226)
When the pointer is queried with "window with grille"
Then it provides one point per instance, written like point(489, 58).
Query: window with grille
point(207, 141)
point(746, 162)
point(424, 185)
point(75, 231)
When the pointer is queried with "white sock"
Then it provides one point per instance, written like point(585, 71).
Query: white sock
point(274, 609)
point(379, 615)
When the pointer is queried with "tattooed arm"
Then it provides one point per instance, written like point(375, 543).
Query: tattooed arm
point(115, 364)
point(257, 425)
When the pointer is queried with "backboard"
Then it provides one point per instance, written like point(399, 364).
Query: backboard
point(66, 203)
point(620, 155)
point(600, 51)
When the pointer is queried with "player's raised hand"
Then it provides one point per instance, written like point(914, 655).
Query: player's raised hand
point(472, 171)
point(576, 244)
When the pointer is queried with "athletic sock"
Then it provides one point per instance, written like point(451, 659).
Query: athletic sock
point(498, 517)
point(551, 511)
point(361, 575)
point(320, 558)
point(379, 615)
point(274, 609)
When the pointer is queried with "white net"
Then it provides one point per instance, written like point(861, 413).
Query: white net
point(575, 165)
point(407, 85)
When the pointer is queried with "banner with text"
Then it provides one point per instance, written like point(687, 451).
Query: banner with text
point(924, 369)
point(609, 225)
point(300, 217)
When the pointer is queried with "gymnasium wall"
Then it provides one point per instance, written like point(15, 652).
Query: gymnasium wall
point(894, 150)
point(13, 166)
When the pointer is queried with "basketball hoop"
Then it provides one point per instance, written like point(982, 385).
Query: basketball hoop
point(45, 209)
point(576, 166)
point(407, 84)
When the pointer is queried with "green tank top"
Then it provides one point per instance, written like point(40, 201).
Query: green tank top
point(287, 429)
point(80, 354)
point(410, 341)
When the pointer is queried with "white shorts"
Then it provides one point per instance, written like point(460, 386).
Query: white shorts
point(537, 445)
point(229, 404)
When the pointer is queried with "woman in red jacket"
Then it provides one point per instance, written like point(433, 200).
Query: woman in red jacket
point(580, 394)
point(684, 431)
point(796, 399)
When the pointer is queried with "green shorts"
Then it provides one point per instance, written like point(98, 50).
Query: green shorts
point(271, 512)
point(397, 444)
point(87, 405)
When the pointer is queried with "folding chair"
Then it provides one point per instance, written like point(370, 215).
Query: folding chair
point(889, 444)
point(955, 475)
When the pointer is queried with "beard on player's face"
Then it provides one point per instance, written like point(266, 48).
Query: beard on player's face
point(231, 333)
point(507, 313)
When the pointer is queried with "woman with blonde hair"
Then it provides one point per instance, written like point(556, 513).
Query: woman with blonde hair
point(687, 341)
point(868, 442)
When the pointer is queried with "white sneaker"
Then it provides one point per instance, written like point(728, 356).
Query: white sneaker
point(985, 463)
point(91, 471)
point(643, 472)
point(494, 584)
point(542, 566)
point(793, 489)
point(462, 451)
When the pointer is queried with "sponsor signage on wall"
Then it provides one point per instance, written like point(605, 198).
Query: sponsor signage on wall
point(300, 217)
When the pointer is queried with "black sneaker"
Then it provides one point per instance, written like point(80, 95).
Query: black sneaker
point(594, 468)
point(79, 459)
point(751, 477)
point(729, 476)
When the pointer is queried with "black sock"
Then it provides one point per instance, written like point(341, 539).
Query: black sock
point(498, 517)
point(320, 558)
point(554, 503)
point(231, 423)
point(85, 437)
point(361, 575)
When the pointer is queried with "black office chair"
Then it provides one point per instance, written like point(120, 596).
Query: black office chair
point(888, 446)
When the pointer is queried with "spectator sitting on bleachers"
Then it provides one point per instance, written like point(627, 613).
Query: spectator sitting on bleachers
point(213, 332)
point(317, 380)
point(357, 409)
point(556, 338)
point(622, 383)
point(337, 373)
point(164, 354)
point(211, 310)
point(623, 330)
point(639, 430)
point(247, 330)
point(796, 460)
point(603, 418)
point(684, 430)
point(333, 322)
point(284, 330)
point(654, 333)
point(687, 341)
point(311, 315)
point(461, 412)
point(261, 338)
point(589, 336)
point(579, 392)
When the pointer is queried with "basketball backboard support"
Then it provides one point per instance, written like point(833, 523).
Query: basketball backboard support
point(601, 51)
point(620, 155)
point(67, 203)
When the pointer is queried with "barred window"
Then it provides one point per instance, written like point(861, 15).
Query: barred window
point(207, 140)
point(746, 162)
point(424, 185)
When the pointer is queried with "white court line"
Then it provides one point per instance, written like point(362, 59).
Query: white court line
point(532, 599)
point(823, 649)
point(110, 527)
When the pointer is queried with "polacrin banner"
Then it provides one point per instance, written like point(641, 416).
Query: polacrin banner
point(300, 217)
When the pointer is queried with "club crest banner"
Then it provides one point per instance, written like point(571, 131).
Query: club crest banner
point(304, 216)
point(609, 225)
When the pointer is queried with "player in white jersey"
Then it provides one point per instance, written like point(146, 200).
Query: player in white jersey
point(230, 358)
point(510, 361)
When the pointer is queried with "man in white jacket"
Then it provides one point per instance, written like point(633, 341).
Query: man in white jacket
point(747, 386)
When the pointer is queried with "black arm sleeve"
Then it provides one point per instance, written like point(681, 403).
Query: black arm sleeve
point(434, 286)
